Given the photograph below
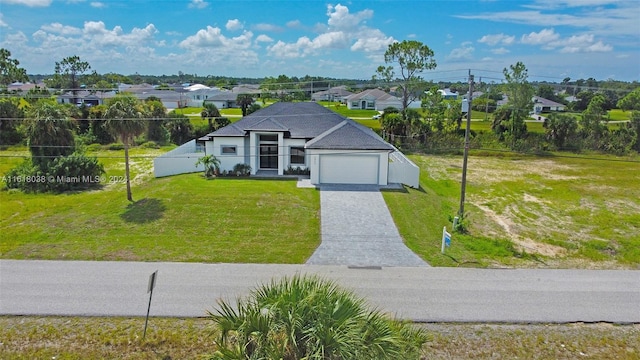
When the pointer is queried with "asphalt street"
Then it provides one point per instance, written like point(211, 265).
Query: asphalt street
point(428, 294)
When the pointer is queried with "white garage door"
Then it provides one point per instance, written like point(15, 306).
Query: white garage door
point(348, 169)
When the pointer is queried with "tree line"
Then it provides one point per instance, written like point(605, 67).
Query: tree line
point(437, 125)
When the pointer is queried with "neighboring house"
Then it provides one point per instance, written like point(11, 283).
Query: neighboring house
point(170, 99)
point(252, 89)
point(335, 149)
point(85, 97)
point(199, 94)
point(338, 93)
point(476, 94)
point(447, 94)
point(24, 87)
point(224, 100)
point(542, 105)
point(372, 99)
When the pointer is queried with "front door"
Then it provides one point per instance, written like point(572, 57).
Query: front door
point(268, 156)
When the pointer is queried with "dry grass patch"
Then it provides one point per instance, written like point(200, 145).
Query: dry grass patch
point(171, 338)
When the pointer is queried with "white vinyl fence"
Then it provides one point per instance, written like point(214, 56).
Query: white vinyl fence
point(403, 171)
point(180, 160)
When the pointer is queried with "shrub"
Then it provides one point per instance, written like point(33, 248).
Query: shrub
point(297, 171)
point(305, 317)
point(241, 169)
point(150, 145)
point(94, 147)
point(115, 146)
point(67, 173)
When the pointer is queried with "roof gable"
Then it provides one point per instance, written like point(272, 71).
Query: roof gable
point(267, 124)
point(349, 135)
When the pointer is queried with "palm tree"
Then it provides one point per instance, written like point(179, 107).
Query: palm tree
point(125, 117)
point(305, 317)
point(211, 165)
point(244, 100)
point(49, 132)
point(210, 112)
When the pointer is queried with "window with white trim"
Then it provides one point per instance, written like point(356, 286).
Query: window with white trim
point(228, 150)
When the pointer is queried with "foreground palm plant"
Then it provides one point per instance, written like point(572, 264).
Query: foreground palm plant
point(305, 317)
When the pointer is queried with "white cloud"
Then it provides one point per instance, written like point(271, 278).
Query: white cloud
point(267, 27)
point(198, 4)
point(234, 24)
point(545, 36)
point(263, 38)
point(98, 5)
point(464, 52)
point(212, 37)
point(287, 51)
point(496, 39)
point(340, 18)
point(29, 3)
point(98, 34)
point(344, 30)
point(294, 24)
point(548, 39)
point(617, 18)
point(61, 29)
point(555, 4)
point(375, 41)
point(581, 43)
point(2, 23)
point(500, 51)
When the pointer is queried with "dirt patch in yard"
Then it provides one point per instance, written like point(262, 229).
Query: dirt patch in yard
point(523, 243)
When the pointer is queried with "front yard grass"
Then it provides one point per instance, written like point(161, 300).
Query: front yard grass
point(525, 211)
point(522, 211)
point(178, 218)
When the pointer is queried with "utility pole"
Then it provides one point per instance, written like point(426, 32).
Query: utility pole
point(466, 149)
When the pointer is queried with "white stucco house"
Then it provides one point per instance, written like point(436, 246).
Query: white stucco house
point(338, 93)
point(542, 105)
point(335, 149)
point(372, 99)
point(224, 100)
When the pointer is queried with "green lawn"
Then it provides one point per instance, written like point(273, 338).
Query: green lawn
point(179, 218)
point(619, 115)
point(560, 212)
point(486, 126)
point(344, 111)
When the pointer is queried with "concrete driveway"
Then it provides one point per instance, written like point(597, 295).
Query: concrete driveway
point(357, 230)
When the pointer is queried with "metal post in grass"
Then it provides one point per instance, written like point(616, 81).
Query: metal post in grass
point(466, 149)
point(152, 284)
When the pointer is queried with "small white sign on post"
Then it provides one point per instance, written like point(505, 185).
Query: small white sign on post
point(446, 239)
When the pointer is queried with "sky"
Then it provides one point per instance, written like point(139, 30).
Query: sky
point(555, 39)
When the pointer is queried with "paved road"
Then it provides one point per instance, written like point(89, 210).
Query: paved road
point(418, 293)
point(357, 229)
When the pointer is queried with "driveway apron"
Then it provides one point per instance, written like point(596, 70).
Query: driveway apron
point(357, 230)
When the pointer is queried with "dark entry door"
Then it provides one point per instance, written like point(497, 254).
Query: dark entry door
point(268, 156)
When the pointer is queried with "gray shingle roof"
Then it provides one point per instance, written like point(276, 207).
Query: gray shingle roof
point(349, 135)
point(267, 124)
point(545, 102)
point(371, 93)
point(223, 96)
point(307, 120)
